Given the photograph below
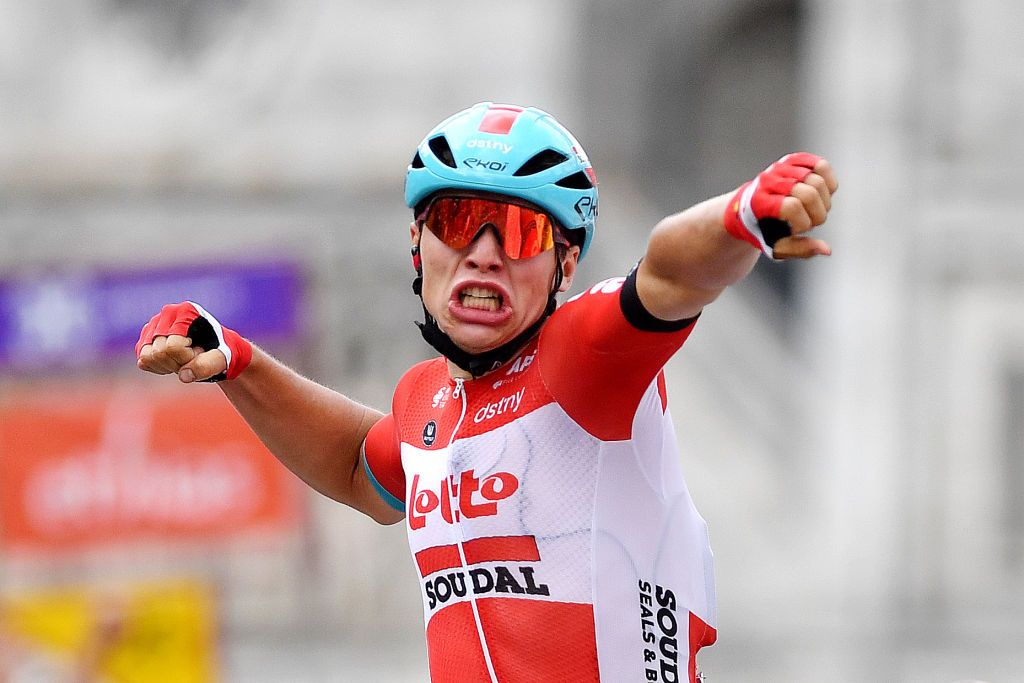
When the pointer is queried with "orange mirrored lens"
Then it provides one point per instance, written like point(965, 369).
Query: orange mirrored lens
point(456, 221)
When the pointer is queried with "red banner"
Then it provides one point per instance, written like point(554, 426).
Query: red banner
point(78, 470)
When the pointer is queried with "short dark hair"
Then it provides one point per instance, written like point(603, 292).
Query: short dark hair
point(575, 238)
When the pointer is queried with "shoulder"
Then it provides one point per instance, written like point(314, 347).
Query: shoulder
point(618, 298)
point(594, 307)
point(429, 366)
point(601, 351)
point(602, 292)
point(418, 376)
point(609, 317)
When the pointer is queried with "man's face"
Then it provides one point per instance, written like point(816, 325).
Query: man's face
point(479, 296)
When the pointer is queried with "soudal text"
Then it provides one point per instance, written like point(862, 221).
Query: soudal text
point(482, 581)
point(660, 628)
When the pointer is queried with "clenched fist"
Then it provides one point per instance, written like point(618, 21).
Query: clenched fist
point(789, 198)
point(184, 339)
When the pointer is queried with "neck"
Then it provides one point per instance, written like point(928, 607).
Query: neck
point(455, 372)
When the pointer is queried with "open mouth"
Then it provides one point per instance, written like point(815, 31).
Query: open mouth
point(481, 298)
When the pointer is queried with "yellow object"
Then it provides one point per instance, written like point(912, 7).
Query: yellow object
point(149, 633)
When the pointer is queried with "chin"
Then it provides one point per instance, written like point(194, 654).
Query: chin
point(479, 345)
point(480, 341)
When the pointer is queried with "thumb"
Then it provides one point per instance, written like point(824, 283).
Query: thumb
point(800, 247)
point(204, 366)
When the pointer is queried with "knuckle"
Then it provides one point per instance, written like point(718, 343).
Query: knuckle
point(796, 214)
point(177, 358)
point(802, 193)
point(791, 206)
point(175, 346)
point(817, 182)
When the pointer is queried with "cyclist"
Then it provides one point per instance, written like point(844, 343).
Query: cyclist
point(534, 460)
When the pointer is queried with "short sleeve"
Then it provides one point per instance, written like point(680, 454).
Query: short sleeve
point(382, 459)
point(601, 351)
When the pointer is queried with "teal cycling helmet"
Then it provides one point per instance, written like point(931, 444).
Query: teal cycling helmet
point(510, 150)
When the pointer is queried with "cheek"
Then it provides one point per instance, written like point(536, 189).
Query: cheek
point(433, 265)
point(537, 281)
point(433, 286)
point(437, 279)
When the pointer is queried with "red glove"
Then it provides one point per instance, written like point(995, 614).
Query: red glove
point(191, 320)
point(753, 214)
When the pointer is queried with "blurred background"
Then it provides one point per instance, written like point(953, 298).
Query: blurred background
point(852, 428)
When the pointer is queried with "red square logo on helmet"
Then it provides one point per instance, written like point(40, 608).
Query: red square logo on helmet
point(499, 119)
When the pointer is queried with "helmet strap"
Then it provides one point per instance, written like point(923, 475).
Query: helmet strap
point(478, 364)
point(417, 283)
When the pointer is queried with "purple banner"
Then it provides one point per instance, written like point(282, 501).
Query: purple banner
point(67, 319)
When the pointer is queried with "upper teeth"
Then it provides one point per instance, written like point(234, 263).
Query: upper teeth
point(482, 298)
point(481, 293)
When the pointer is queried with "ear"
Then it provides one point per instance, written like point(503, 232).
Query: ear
point(417, 262)
point(568, 265)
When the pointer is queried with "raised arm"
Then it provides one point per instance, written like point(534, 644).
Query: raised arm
point(692, 256)
point(314, 431)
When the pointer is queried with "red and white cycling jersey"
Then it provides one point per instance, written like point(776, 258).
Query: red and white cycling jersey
point(547, 514)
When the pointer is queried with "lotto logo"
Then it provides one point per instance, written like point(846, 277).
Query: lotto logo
point(468, 497)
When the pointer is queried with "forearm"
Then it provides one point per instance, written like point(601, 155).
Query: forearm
point(314, 431)
point(693, 255)
point(690, 260)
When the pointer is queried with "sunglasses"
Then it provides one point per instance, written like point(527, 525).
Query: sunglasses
point(523, 231)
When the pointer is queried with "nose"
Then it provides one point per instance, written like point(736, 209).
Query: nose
point(485, 252)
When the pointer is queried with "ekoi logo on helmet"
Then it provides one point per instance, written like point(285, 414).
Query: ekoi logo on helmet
point(468, 497)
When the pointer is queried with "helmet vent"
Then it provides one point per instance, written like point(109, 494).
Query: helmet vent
point(442, 150)
point(541, 161)
point(576, 181)
point(417, 161)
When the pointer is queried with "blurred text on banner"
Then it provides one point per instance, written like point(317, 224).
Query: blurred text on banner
point(85, 468)
point(69, 318)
